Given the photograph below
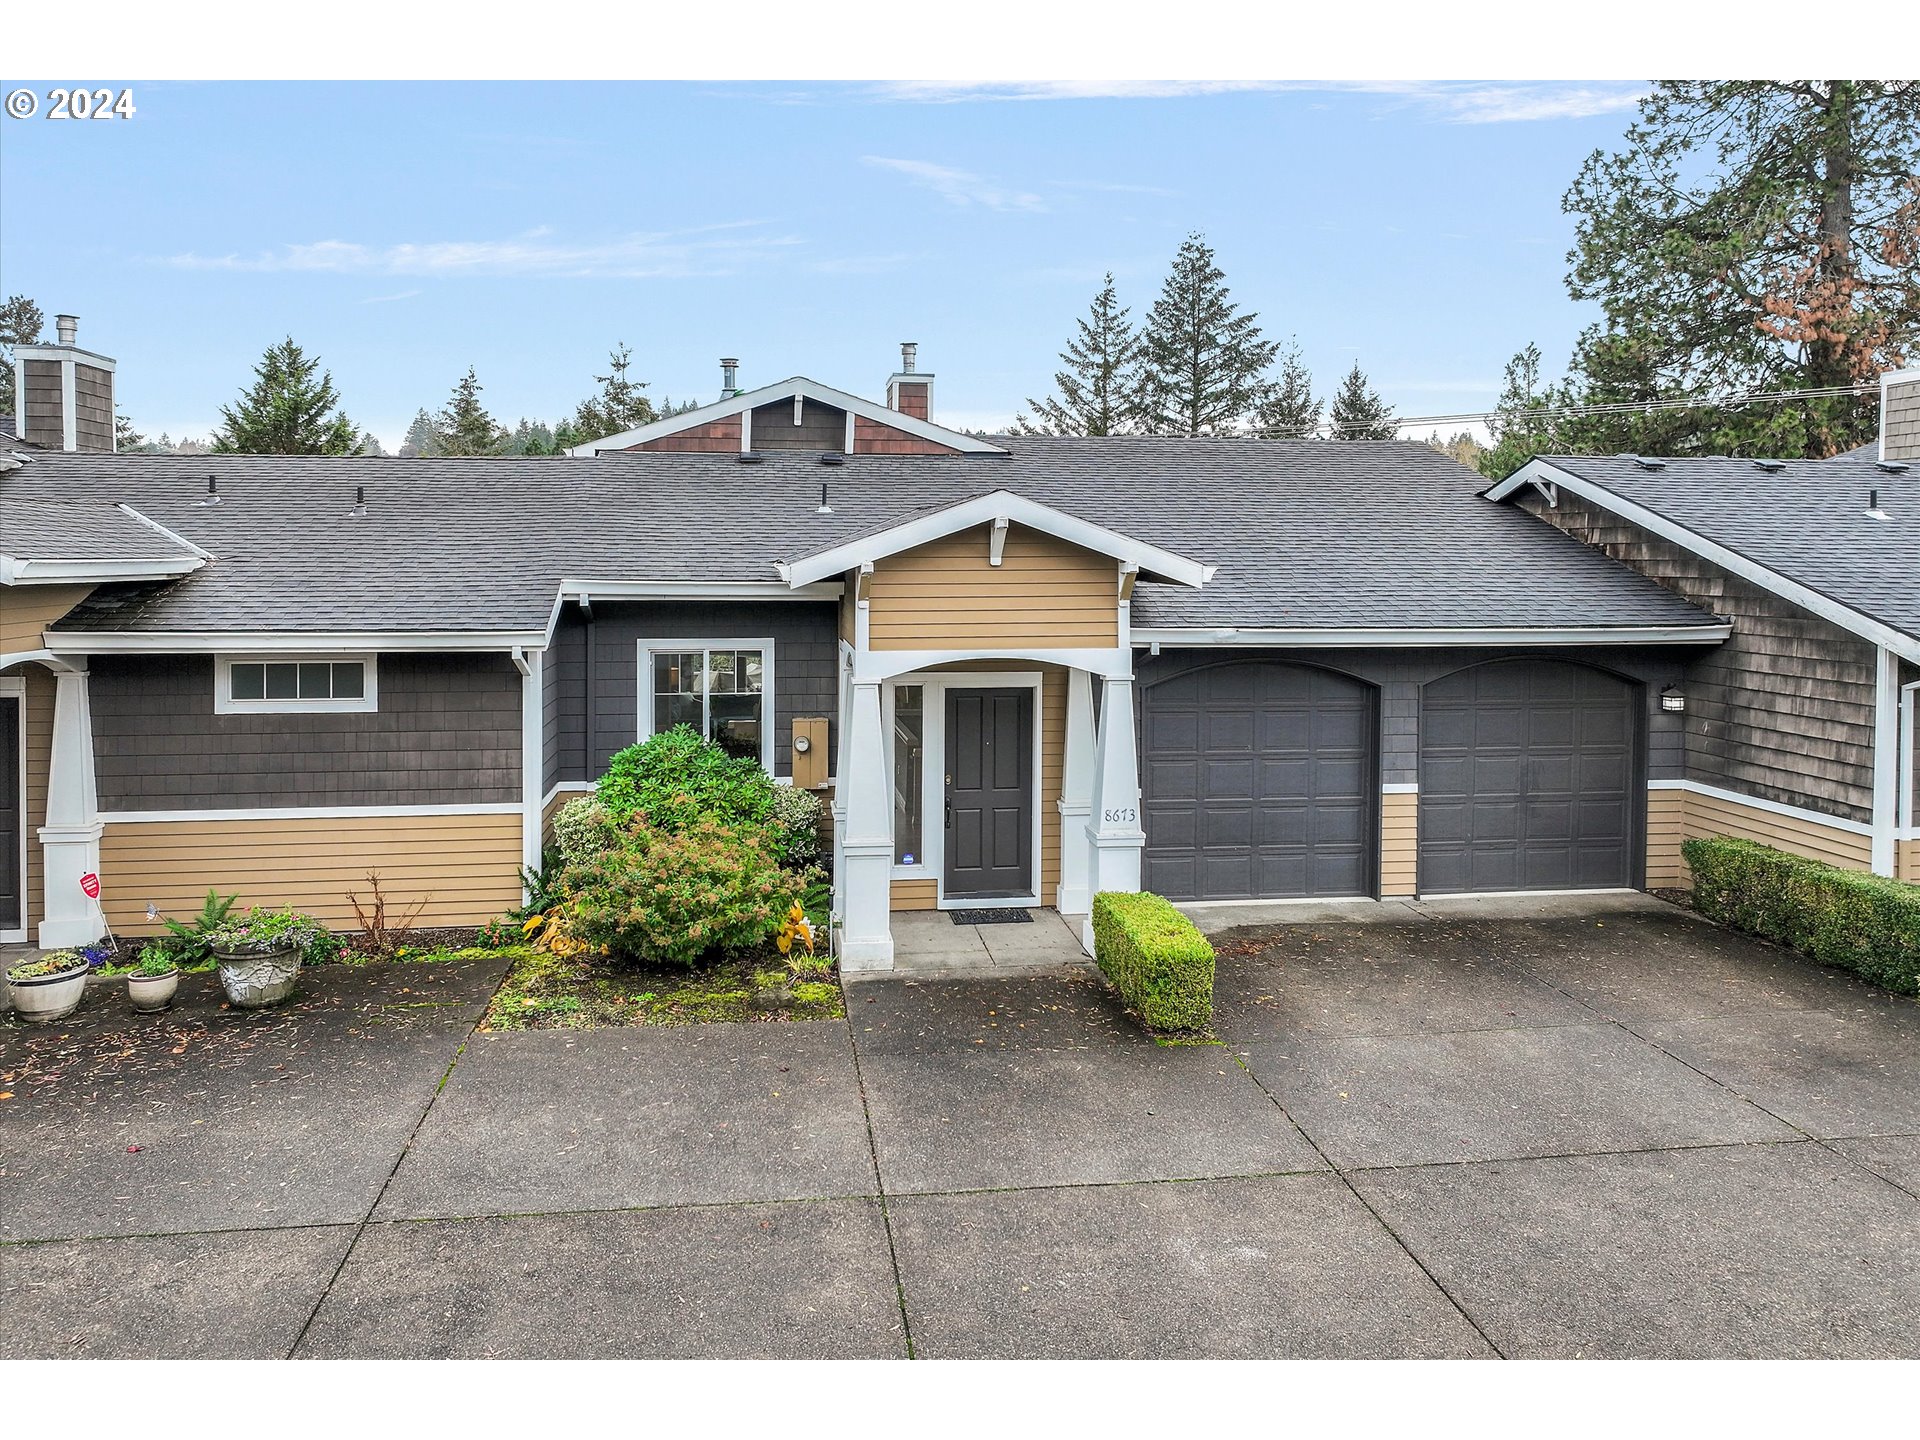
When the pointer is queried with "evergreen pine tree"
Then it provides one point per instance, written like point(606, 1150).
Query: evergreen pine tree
point(126, 439)
point(20, 322)
point(1291, 411)
point(369, 444)
point(1203, 362)
point(620, 406)
point(1099, 387)
point(287, 410)
point(421, 438)
point(1358, 413)
point(463, 426)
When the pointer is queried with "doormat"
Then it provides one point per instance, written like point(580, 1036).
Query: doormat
point(992, 917)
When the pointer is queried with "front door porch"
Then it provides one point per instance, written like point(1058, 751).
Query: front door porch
point(928, 944)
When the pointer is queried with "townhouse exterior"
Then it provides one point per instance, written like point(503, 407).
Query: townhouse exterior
point(1021, 669)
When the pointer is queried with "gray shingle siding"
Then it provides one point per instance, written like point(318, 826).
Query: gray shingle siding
point(805, 637)
point(1399, 674)
point(447, 733)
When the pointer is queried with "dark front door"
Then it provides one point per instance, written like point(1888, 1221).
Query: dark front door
point(13, 820)
point(989, 820)
point(1529, 779)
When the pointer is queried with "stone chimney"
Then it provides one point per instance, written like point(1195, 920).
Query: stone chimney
point(63, 395)
point(1900, 415)
point(910, 391)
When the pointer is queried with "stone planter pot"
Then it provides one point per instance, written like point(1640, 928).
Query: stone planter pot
point(152, 992)
point(48, 997)
point(255, 979)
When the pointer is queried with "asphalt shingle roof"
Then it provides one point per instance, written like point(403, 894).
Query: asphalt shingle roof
point(1807, 521)
point(93, 529)
point(1306, 533)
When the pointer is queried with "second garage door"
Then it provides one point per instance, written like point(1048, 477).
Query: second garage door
point(1527, 779)
point(1258, 783)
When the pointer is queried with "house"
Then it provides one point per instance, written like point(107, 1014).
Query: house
point(1023, 669)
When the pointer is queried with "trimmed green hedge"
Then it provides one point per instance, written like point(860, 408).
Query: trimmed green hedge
point(1161, 965)
point(1839, 917)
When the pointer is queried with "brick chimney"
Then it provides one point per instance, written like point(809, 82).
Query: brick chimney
point(910, 391)
point(1900, 415)
point(63, 395)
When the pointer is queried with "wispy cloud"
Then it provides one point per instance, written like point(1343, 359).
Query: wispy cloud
point(1112, 187)
point(958, 187)
point(709, 250)
point(1453, 102)
point(388, 299)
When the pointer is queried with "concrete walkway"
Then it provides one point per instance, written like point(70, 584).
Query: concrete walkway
point(1620, 1132)
point(927, 944)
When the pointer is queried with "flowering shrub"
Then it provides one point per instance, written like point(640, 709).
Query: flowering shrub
point(677, 779)
point(497, 934)
point(582, 828)
point(672, 896)
point(54, 962)
point(796, 818)
point(265, 930)
point(96, 954)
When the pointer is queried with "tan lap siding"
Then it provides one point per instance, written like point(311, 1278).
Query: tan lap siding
point(1906, 863)
point(945, 595)
point(468, 866)
point(27, 610)
point(1399, 843)
point(1711, 815)
point(1666, 829)
point(36, 734)
point(914, 895)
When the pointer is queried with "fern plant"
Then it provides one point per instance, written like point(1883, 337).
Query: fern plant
point(190, 937)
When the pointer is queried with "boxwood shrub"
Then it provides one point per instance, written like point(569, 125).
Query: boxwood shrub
point(1839, 917)
point(1158, 961)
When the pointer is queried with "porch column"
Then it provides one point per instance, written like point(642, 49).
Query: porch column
point(70, 839)
point(1076, 797)
point(866, 937)
point(1114, 836)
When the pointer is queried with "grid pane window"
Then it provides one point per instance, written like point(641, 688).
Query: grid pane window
point(718, 692)
point(909, 743)
point(266, 681)
point(249, 682)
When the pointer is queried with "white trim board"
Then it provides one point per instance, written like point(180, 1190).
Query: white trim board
point(1807, 598)
point(697, 590)
point(306, 812)
point(16, 571)
point(566, 787)
point(1210, 636)
point(743, 402)
point(1772, 807)
point(214, 642)
point(991, 509)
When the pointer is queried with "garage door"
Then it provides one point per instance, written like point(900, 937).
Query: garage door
point(1257, 782)
point(1527, 779)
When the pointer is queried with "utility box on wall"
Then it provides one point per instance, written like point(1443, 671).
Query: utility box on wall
point(810, 752)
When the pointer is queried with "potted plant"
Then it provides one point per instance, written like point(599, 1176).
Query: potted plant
point(50, 987)
point(154, 977)
point(260, 956)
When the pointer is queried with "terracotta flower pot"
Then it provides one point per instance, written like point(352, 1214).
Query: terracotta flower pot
point(152, 992)
point(46, 998)
point(255, 979)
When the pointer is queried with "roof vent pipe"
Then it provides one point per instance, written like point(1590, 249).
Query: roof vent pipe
point(729, 379)
point(213, 492)
point(359, 510)
point(1874, 512)
point(909, 353)
point(824, 508)
point(68, 327)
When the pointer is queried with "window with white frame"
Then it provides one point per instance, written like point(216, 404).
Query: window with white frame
point(273, 684)
point(722, 688)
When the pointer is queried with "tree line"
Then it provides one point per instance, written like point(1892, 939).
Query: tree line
point(1198, 365)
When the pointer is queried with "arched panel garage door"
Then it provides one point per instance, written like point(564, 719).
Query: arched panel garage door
point(1528, 774)
point(1257, 782)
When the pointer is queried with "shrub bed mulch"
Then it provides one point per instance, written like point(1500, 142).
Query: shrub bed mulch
point(587, 992)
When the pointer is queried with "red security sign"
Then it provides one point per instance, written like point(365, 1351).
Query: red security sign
point(90, 883)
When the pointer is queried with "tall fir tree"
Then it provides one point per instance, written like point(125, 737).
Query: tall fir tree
point(620, 406)
point(1097, 392)
point(1358, 412)
point(1291, 411)
point(290, 409)
point(421, 438)
point(1203, 362)
point(20, 324)
point(463, 426)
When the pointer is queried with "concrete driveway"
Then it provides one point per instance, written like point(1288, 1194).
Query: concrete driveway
point(1600, 1129)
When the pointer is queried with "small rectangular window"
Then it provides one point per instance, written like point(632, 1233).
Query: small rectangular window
point(283, 686)
point(909, 744)
point(719, 690)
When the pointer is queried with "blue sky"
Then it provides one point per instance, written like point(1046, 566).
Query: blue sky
point(406, 231)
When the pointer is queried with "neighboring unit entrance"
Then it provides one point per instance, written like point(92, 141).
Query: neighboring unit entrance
point(1258, 782)
point(1528, 779)
point(13, 817)
point(989, 794)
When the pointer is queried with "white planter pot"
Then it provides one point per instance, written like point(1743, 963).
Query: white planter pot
point(254, 981)
point(152, 992)
point(48, 997)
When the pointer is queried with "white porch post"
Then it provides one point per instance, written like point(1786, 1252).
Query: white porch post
point(1114, 836)
point(866, 941)
point(70, 839)
point(1076, 797)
